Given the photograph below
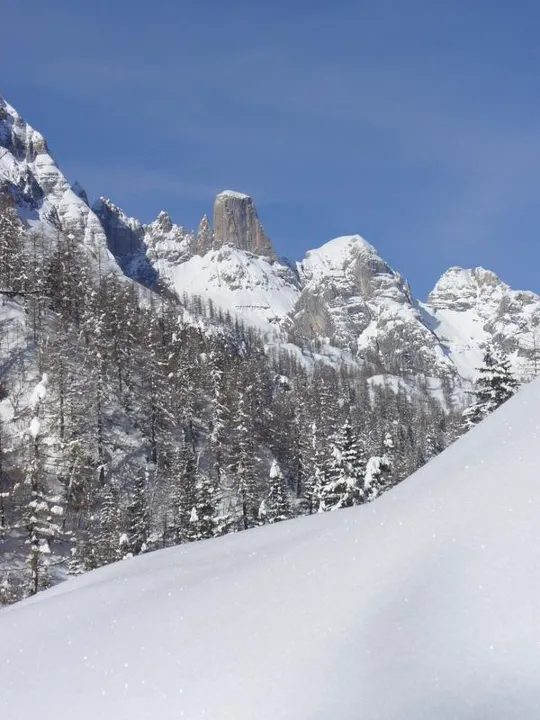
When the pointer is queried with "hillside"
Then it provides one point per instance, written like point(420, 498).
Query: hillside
point(425, 604)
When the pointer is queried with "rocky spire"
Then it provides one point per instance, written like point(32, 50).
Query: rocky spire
point(164, 222)
point(205, 237)
point(236, 222)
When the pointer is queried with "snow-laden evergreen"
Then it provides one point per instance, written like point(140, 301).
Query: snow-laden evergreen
point(494, 385)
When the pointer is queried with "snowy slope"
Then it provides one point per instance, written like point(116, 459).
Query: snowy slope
point(424, 604)
point(255, 289)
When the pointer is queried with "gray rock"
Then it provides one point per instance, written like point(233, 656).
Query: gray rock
point(125, 236)
point(236, 223)
point(205, 237)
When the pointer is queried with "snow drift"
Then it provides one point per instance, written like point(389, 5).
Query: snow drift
point(424, 604)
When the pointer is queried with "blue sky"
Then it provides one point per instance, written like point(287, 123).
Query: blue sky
point(415, 123)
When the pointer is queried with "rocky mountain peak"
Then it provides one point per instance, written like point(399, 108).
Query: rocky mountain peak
point(164, 222)
point(18, 137)
point(351, 296)
point(236, 223)
point(462, 288)
point(40, 191)
point(205, 236)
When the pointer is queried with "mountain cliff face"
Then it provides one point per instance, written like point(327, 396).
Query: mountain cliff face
point(354, 300)
point(469, 308)
point(45, 199)
point(236, 222)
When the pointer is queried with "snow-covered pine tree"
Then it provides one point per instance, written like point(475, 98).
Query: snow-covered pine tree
point(312, 464)
point(219, 410)
point(108, 543)
point(494, 385)
point(187, 492)
point(138, 516)
point(8, 593)
point(278, 505)
point(203, 515)
point(12, 261)
point(6, 486)
point(242, 467)
point(339, 484)
point(43, 509)
point(376, 474)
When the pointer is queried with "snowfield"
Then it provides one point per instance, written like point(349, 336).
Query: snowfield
point(423, 604)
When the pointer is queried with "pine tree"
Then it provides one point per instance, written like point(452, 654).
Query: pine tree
point(42, 508)
point(108, 544)
point(12, 261)
point(375, 477)
point(187, 492)
point(494, 385)
point(8, 593)
point(138, 519)
point(312, 464)
point(242, 467)
point(219, 418)
point(277, 506)
point(202, 520)
point(339, 482)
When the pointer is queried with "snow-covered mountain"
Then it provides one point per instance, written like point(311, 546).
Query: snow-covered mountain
point(234, 266)
point(44, 198)
point(423, 604)
point(342, 301)
point(473, 307)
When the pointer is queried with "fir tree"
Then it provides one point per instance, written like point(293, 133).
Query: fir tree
point(339, 483)
point(242, 468)
point(494, 385)
point(202, 520)
point(138, 520)
point(42, 508)
point(12, 261)
point(278, 506)
point(108, 545)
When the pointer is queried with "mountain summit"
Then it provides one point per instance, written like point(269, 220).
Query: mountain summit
point(236, 223)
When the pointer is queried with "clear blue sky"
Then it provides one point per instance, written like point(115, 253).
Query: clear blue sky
point(415, 123)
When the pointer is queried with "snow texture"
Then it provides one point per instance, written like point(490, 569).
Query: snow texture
point(423, 604)
point(35, 427)
point(233, 194)
point(40, 392)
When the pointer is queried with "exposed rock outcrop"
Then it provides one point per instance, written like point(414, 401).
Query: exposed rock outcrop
point(463, 289)
point(205, 237)
point(41, 192)
point(352, 299)
point(125, 235)
point(236, 223)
